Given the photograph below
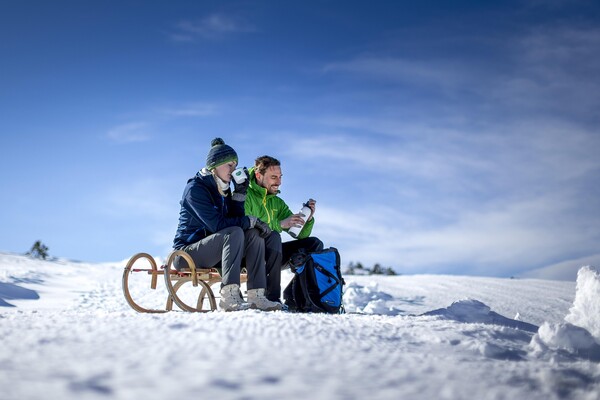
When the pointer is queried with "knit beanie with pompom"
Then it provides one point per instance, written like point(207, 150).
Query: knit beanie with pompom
point(219, 154)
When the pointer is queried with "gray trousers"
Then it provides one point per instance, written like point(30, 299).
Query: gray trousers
point(229, 247)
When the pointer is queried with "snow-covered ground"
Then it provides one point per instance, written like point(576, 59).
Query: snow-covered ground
point(66, 332)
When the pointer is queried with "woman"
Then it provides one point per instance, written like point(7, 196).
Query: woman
point(213, 230)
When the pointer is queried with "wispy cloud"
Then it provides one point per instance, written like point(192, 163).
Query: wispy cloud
point(556, 70)
point(210, 27)
point(440, 73)
point(565, 270)
point(130, 132)
point(493, 182)
point(485, 201)
point(155, 118)
point(192, 110)
point(155, 201)
point(143, 198)
point(495, 239)
point(549, 68)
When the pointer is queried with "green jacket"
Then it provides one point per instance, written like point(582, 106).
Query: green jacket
point(270, 208)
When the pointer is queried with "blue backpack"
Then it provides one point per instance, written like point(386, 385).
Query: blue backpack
point(317, 285)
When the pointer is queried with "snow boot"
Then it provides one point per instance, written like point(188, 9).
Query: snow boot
point(231, 299)
point(257, 299)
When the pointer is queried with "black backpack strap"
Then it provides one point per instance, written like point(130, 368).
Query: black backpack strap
point(336, 282)
point(309, 305)
point(325, 272)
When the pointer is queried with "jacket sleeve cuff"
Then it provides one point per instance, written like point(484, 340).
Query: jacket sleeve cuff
point(238, 197)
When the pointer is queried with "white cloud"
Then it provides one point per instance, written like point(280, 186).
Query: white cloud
point(550, 68)
point(417, 151)
point(517, 156)
point(556, 69)
point(493, 183)
point(493, 240)
point(563, 271)
point(449, 201)
point(148, 210)
point(149, 198)
point(439, 73)
point(155, 118)
point(192, 110)
point(211, 27)
point(130, 132)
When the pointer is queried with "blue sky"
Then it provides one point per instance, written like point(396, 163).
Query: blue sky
point(437, 137)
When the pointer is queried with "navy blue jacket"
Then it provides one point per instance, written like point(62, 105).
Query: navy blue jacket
point(205, 211)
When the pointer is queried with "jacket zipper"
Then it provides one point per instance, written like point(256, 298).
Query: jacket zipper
point(266, 209)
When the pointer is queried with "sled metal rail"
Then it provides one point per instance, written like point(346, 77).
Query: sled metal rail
point(201, 278)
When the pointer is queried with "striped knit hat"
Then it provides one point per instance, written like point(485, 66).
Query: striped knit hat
point(219, 154)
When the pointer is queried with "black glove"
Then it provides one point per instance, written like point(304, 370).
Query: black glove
point(242, 188)
point(263, 229)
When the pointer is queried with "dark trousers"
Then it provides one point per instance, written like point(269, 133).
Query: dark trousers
point(277, 254)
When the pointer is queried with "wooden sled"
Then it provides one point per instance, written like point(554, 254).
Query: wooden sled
point(200, 278)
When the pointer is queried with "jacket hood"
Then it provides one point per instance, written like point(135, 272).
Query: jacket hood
point(204, 176)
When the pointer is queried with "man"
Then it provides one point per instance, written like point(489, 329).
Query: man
point(262, 202)
point(214, 230)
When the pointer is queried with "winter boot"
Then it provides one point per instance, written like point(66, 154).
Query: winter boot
point(231, 299)
point(257, 299)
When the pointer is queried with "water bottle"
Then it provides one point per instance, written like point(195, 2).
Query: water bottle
point(304, 213)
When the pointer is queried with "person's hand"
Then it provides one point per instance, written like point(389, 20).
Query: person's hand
point(262, 227)
point(312, 204)
point(292, 220)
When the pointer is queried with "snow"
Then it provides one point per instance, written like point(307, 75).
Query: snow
point(66, 330)
point(586, 307)
point(579, 334)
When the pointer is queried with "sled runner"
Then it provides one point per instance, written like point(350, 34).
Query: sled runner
point(201, 280)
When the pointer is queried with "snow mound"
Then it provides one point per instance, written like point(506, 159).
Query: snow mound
point(474, 311)
point(579, 334)
point(368, 300)
point(567, 338)
point(586, 307)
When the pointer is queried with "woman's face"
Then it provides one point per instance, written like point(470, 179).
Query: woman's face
point(224, 171)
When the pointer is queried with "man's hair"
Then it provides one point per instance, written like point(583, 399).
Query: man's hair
point(261, 164)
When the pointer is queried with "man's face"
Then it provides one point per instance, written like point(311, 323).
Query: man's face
point(270, 180)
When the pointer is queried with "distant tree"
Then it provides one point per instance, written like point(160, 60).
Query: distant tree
point(38, 250)
point(376, 270)
point(350, 269)
point(358, 269)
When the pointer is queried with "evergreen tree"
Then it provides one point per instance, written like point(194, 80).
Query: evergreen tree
point(390, 271)
point(376, 270)
point(350, 269)
point(357, 268)
point(38, 250)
